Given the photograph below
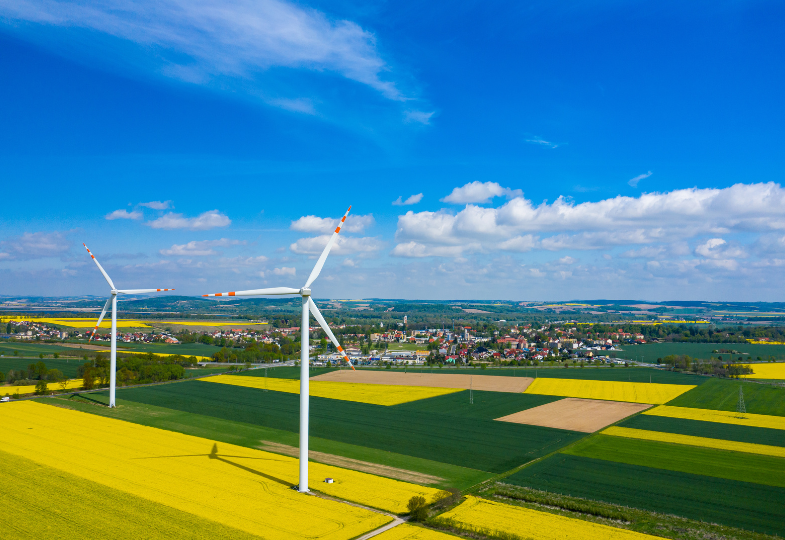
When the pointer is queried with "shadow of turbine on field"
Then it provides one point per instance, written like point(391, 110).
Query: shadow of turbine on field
point(214, 455)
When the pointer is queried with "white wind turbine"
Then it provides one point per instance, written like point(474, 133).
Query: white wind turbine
point(308, 306)
point(113, 301)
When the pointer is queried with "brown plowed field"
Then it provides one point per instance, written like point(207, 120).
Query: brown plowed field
point(434, 380)
point(574, 414)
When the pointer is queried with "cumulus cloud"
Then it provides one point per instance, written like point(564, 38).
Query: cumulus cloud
point(718, 248)
point(285, 271)
point(315, 224)
point(202, 40)
point(414, 199)
point(36, 245)
point(634, 181)
point(480, 192)
point(124, 214)
point(157, 205)
point(416, 250)
point(344, 245)
point(650, 218)
point(199, 248)
point(208, 220)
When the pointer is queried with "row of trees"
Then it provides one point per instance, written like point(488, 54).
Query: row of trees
point(713, 366)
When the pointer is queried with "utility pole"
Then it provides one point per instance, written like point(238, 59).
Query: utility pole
point(740, 408)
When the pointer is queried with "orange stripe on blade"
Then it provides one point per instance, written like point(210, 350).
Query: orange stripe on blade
point(231, 294)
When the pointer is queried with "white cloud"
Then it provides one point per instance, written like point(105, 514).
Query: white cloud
point(646, 252)
point(300, 105)
point(344, 245)
point(519, 243)
point(124, 214)
point(414, 199)
point(717, 248)
point(567, 260)
point(36, 245)
point(421, 117)
point(348, 262)
point(157, 205)
point(480, 192)
point(634, 181)
point(415, 250)
point(285, 271)
point(199, 248)
point(542, 142)
point(202, 40)
point(315, 224)
point(651, 218)
point(208, 220)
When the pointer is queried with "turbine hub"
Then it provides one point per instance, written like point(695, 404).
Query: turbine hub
point(305, 292)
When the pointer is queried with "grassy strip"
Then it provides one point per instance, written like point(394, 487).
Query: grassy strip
point(249, 435)
point(723, 395)
point(472, 443)
point(642, 521)
point(467, 530)
point(712, 430)
point(689, 459)
point(728, 502)
point(487, 405)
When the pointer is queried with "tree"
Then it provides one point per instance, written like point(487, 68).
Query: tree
point(40, 387)
point(418, 510)
point(88, 379)
point(55, 375)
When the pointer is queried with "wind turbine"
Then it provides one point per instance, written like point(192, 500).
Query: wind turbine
point(308, 306)
point(113, 301)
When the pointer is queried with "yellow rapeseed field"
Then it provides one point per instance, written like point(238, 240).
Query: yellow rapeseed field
point(375, 394)
point(239, 487)
point(410, 532)
point(49, 503)
point(723, 417)
point(527, 523)
point(774, 370)
point(749, 448)
point(608, 390)
point(51, 387)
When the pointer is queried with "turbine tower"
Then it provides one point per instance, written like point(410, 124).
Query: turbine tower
point(309, 307)
point(113, 301)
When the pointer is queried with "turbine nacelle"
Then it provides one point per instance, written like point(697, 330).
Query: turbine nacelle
point(305, 292)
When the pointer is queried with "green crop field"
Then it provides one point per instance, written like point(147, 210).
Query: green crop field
point(284, 372)
point(718, 500)
point(68, 367)
point(184, 349)
point(486, 405)
point(711, 430)
point(755, 468)
point(474, 443)
point(632, 374)
point(649, 352)
point(32, 350)
point(723, 395)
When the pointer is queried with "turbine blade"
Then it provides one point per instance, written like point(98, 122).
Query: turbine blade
point(101, 268)
point(318, 316)
point(141, 291)
point(101, 318)
point(323, 256)
point(258, 292)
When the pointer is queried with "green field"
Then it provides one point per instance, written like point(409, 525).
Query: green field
point(755, 468)
point(73, 507)
point(68, 367)
point(651, 351)
point(32, 350)
point(486, 405)
point(284, 372)
point(184, 349)
point(723, 395)
point(718, 500)
point(632, 374)
point(472, 443)
point(711, 430)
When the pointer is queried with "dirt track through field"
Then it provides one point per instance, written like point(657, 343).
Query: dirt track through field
point(353, 464)
point(575, 414)
point(434, 380)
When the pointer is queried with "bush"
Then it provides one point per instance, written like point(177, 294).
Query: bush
point(418, 509)
point(40, 388)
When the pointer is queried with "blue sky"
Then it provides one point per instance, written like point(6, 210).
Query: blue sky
point(582, 150)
